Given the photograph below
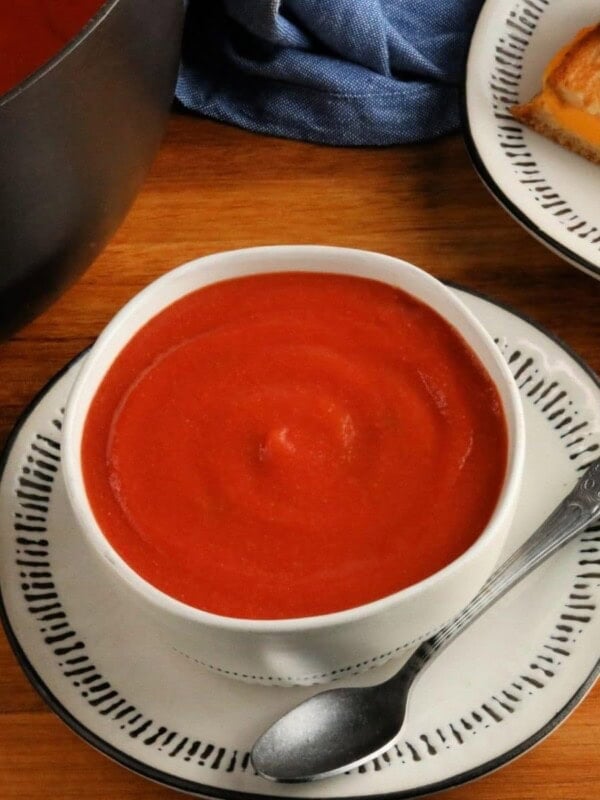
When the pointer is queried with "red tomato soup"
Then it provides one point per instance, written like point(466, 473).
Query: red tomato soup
point(293, 444)
point(33, 31)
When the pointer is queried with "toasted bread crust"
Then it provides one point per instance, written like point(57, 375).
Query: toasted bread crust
point(535, 117)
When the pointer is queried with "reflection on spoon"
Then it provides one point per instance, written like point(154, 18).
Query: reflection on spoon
point(339, 729)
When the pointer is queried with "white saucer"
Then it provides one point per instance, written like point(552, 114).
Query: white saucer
point(507, 683)
point(552, 192)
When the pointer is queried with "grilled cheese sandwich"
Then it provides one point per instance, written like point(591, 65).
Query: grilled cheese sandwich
point(567, 110)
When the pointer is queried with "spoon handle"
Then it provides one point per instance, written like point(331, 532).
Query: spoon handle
point(578, 510)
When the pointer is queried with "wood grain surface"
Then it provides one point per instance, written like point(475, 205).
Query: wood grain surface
point(213, 188)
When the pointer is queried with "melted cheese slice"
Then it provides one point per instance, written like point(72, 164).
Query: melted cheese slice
point(572, 120)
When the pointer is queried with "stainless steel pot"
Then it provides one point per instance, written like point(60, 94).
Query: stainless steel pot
point(76, 139)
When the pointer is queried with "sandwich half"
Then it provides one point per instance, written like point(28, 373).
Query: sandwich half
point(567, 110)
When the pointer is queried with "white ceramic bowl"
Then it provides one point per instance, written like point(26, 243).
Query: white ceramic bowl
point(320, 648)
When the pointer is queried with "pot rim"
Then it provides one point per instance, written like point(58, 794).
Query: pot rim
point(82, 34)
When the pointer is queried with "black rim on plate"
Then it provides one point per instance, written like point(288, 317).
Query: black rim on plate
point(194, 787)
point(513, 209)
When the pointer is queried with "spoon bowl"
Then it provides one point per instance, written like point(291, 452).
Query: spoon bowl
point(304, 735)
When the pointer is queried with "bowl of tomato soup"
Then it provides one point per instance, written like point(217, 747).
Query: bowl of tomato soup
point(299, 460)
point(85, 91)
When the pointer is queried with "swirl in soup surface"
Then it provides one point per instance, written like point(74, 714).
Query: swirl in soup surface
point(293, 444)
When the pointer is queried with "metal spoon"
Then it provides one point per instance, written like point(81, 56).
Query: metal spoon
point(339, 729)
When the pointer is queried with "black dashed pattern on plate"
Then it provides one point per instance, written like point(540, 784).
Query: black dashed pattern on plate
point(33, 559)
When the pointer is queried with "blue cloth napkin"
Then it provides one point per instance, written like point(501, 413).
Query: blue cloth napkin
point(342, 72)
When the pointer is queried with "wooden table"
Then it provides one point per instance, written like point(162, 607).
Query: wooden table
point(213, 188)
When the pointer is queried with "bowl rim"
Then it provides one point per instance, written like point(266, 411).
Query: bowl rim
point(151, 295)
point(86, 30)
